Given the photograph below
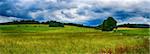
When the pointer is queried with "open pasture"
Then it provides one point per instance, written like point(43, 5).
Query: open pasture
point(41, 39)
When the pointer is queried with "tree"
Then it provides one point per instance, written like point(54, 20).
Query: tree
point(55, 24)
point(109, 24)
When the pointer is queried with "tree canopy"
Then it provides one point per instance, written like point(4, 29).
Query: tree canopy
point(109, 24)
point(55, 24)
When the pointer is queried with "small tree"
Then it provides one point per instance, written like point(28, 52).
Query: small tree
point(55, 24)
point(109, 24)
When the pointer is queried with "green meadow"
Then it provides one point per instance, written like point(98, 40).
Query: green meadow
point(41, 39)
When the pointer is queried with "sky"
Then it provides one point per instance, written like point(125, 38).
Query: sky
point(87, 12)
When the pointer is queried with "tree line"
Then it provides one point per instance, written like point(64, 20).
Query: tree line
point(134, 25)
point(21, 22)
point(108, 24)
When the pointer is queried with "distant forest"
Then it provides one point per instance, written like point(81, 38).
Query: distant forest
point(72, 24)
point(52, 23)
point(135, 25)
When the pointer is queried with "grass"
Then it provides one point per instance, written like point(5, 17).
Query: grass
point(41, 39)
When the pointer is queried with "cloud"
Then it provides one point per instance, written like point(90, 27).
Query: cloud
point(136, 20)
point(7, 19)
point(76, 11)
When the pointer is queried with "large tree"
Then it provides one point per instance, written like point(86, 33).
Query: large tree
point(109, 24)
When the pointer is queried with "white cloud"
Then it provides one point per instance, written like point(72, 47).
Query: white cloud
point(7, 19)
point(68, 15)
point(135, 20)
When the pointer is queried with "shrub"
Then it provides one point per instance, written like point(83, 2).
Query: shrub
point(55, 24)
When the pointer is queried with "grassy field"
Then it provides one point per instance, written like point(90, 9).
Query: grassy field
point(41, 39)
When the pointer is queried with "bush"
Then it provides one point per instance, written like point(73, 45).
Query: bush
point(55, 24)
